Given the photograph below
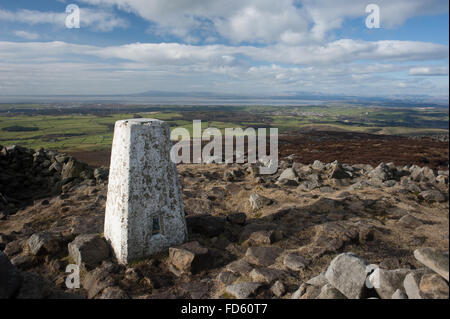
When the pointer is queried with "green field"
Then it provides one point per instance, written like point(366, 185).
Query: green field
point(83, 129)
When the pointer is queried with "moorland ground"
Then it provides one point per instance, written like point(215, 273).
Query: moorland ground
point(90, 127)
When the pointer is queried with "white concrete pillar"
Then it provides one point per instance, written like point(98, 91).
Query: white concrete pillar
point(144, 207)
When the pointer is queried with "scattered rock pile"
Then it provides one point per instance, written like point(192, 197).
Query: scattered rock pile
point(27, 175)
point(350, 277)
point(286, 235)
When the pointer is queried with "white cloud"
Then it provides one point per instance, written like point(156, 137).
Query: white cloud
point(429, 71)
point(27, 35)
point(95, 19)
point(333, 68)
point(267, 21)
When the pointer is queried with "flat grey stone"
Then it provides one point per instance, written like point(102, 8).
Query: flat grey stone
point(295, 262)
point(263, 256)
point(434, 260)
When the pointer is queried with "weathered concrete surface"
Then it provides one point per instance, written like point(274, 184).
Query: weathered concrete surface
point(143, 187)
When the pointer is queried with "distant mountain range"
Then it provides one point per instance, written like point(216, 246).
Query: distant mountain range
point(200, 97)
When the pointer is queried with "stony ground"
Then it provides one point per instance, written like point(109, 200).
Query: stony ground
point(249, 235)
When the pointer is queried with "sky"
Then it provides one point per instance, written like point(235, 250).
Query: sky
point(246, 47)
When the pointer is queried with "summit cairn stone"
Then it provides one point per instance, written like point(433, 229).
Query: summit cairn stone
point(144, 208)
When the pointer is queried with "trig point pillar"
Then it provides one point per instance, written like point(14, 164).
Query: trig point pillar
point(144, 207)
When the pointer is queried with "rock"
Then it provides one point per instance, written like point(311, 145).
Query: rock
point(23, 262)
point(432, 286)
point(101, 174)
point(43, 243)
point(307, 292)
point(265, 237)
point(288, 174)
point(318, 165)
point(338, 172)
point(10, 279)
point(263, 256)
point(410, 221)
point(299, 292)
point(55, 167)
point(386, 282)
point(318, 281)
point(206, 225)
point(411, 285)
point(133, 274)
point(347, 273)
point(310, 185)
point(243, 290)
point(13, 248)
point(4, 240)
point(237, 218)
point(265, 275)
point(241, 267)
point(197, 206)
point(434, 260)
point(295, 262)
point(227, 277)
point(258, 201)
point(399, 294)
point(286, 182)
point(36, 287)
point(88, 250)
point(442, 182)
point(432, 196)
point(329, 292)
point(381, 173)
point(278, 289)
point(228, 176)
point(114, 293)
point(72, 169)
point(97, 280)
point(424, 174)
point(188, 258)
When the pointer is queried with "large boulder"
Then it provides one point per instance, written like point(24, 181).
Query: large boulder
point(89, 250)
point(347, 273)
